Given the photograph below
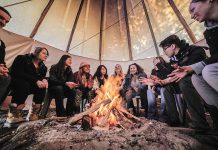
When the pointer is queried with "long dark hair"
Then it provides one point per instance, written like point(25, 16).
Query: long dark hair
point(162, 64)
point(98, 72)
point(38, 50)
point(162, 61)
point(174, 39)
point(35, 54)
point(59, 67)
point(139, 69)
point(128, 77)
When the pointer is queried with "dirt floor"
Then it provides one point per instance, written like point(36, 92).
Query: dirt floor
point(57, 135)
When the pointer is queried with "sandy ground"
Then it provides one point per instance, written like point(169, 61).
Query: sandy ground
point(56, 135)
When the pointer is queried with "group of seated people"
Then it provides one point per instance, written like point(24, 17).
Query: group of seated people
point(190, 74)
point(28, 76)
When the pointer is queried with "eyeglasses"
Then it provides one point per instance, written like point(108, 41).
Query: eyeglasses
point(165, 48)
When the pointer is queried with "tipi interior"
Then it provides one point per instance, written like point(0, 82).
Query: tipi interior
point(107, 32)
point(97, 31)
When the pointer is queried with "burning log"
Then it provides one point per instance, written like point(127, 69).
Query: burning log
point(57, 118)
point(121, 109)
point(108, 112)
point(103, 121)
point(76, 118)
point(123, 122)
point(122, 117)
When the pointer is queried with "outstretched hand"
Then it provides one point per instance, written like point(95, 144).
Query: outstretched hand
point(147, 81)
point(181, 72)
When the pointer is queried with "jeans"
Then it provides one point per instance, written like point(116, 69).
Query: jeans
point(152, 106)
point(207, 84)
point(60, 92)
point(193, 100)
point(207, 87)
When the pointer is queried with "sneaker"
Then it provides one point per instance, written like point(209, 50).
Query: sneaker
point(33, 113)
point(15, 114)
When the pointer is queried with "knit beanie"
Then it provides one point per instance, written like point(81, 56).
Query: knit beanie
point(82, 64)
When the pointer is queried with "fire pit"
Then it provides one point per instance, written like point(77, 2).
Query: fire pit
point(107, 110)
point(115, 128)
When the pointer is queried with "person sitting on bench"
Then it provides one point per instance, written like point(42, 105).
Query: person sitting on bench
point(61, 85)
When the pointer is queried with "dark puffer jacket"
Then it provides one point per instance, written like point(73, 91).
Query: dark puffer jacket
point(24, 69)
point(188, 55)
point(211, 36)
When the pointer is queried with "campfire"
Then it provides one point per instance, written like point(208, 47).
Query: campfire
point(106, 109)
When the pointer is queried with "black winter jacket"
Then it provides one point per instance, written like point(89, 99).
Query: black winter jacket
point(55, 80)
point(188, 55)
point(211, 37)
point(23, 68)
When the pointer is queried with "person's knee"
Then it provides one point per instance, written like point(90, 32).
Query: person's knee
point(207, 73)
point(197, 81)
point(20, 84)
point(195, 78)
point(57, 90)
point(24, 87)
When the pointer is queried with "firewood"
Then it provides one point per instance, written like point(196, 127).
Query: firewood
point(124, 117)
point(5, 138)
point(123, 121)
point(126, 112)
point(103, 121)
point(76, 118)
point(57, 118)
point(116, 113)
point(25, 133)
point(119, 124)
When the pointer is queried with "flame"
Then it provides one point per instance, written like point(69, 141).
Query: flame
point(110, 90)
point(112, 119)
